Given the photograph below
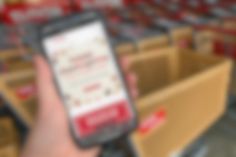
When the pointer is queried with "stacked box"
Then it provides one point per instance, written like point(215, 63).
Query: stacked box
point(141, 37)
point(204, 34)
point(204, 40)
point(181, 34)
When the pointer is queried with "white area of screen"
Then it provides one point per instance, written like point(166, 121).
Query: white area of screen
point(82, 34)
point(93, 107)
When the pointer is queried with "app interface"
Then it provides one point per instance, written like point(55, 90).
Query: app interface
point(88, 78)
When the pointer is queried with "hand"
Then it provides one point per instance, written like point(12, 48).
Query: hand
point(50, 137)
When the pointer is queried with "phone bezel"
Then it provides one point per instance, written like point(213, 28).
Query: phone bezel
point(70, 22)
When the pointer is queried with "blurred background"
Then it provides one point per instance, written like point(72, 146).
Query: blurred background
point(182, 51)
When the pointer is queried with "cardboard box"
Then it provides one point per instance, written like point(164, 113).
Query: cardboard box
point(204, 36)
point(19, 91)
point(9, 151)
point(181, 34)
point(16, 55)
point(17, 86)
point(204, 41)
point(123, 46)
point(233, 81)
point(225, 43)
point(8, 132)
point(125, 49)
point(160, 41)
point(229, 24)
point(182, 93)
point(183, 37)
point(220, 12)
point(9, 138)
point(143, 38)
point(203, 20)
point(227, 15)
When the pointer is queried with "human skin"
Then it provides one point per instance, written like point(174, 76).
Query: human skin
point(50, 135)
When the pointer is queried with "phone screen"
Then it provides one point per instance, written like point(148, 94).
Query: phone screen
point(89, 81)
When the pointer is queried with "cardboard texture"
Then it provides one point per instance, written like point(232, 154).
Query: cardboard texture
point(224, 43)
point(17, 83)
point(182, 36)
point(142, 38)
point(204, 41)
point(12, 60)
point(143, 45)
point(18, 90)
point(229, 24)
point(9, 139)
point(153, 42)
point(181, 94)
point(180, 33)
point(125, 49)
point(233, 81)
point(8, 133)
point(9, 151)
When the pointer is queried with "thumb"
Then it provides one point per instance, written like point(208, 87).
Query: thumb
point(47, 94)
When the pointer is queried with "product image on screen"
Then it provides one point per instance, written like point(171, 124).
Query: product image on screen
point(88, 78)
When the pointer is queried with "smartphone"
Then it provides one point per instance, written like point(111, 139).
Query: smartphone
point(88, 78)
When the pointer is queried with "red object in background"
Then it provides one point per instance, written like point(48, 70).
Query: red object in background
point(197, 10)
point(152, 122)
point(219, 48)
point(34, 13)
point(230, 19)
point(117, 113)
point(230, 50)
point(25, 92)
point(226, 3)
point(115, 19)
point(184, 43)
point(225, 49)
